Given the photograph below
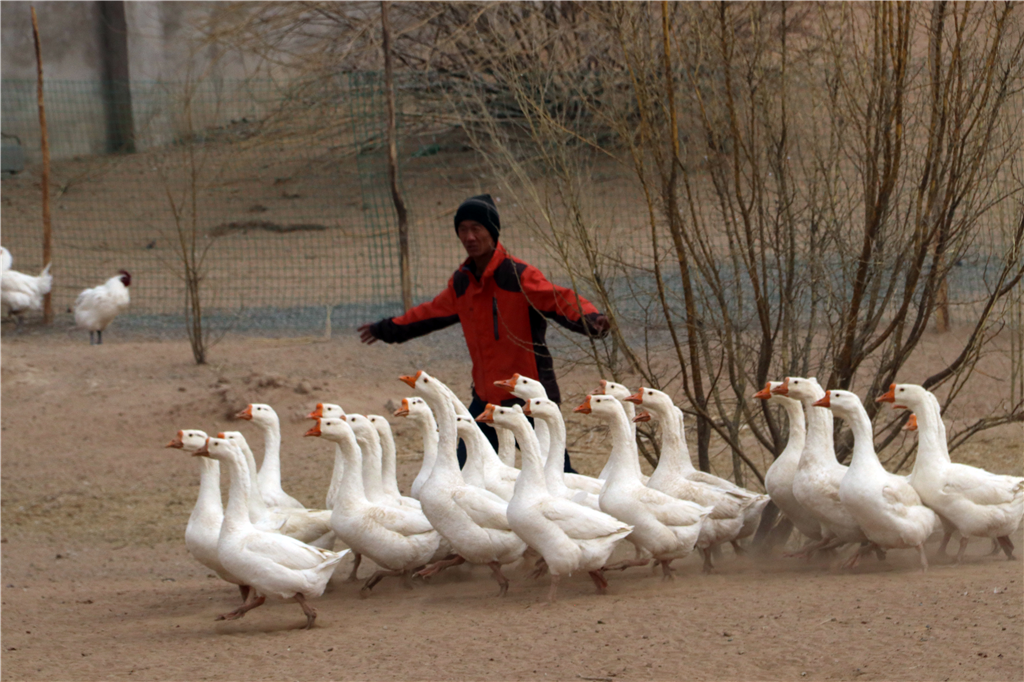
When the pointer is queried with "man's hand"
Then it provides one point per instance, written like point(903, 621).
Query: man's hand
point(366, 333)
point(602, 324)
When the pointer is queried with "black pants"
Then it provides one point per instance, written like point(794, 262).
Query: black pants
point(476, 408)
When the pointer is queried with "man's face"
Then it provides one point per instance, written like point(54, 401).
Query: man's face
point(475, 238)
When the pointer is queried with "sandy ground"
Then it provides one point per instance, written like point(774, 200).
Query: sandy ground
point(97, 583)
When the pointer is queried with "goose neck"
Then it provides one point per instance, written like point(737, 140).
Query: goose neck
point(271, 468)
point(797, 429)
point(818, 445)
point(389, 472)
point(348, 460)
point(675, 456)
point(931, 439)
point(623, 447)
point(864, 457)
point(446, 466)
point(554, 463)
point(209, 500)
point(236, 515)
point(531, 477)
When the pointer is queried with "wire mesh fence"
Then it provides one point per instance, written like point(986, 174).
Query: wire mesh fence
point(286, 193)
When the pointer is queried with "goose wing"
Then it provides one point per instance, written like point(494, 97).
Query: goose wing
point(579, 522)
point(486, 509)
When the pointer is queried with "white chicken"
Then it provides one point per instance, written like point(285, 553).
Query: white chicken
point(97, 307)
point(20, 292)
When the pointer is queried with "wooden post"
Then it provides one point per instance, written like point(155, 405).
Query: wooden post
point(45, 148)
point(396, 195)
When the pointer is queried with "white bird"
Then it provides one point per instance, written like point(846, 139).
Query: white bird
point(885, 505)
point(817, 481)
point(569, 536)
point(97, 307)
point(545, 411)
point(417, 411)
point(398, 539)
point(388, 462)
point(309, 525)
point(778, 481)
point(484, 468)
point(20, 292)
point(968, 499)
point(269, 475)
point(728, 506)
point(203, 529)
point(665, 527)
point(622, 394)
point(526, 389)
point(273, 565)
point(373, 481)
point(473, 520)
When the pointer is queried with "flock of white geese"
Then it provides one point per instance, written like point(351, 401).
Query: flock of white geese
point(494, 514)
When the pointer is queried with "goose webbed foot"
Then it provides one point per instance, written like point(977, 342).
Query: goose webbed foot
point(1007, 544)
point(245, 608)
point(666, 570)
point(376, 578)
point(628, 563)
point(539, 568)
point(438, 566)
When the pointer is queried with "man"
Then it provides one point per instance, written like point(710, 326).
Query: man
point(503, 305)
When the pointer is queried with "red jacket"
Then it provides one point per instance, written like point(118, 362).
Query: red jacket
point(504, 318)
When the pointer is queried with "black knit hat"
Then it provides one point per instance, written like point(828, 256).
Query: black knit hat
point(481, 209)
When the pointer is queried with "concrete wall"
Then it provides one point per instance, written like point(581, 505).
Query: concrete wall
point(162, 54)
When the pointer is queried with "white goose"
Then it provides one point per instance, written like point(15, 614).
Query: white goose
point(525, 389)
point(373, 479)
point(203, 529)
point(778, 481)
point(666, 527)
point(621, 393)
point(728, 507)
point(269, 475)
point(968, 499)
point(569, 537)
point(817, 481)
point(758, 501)
point(885, 505)
point(474, 521)
point(330, 410)
point(389, 457)
point(97, 307)
point(416, 410)
point(546, 411)
point(398, 539)
point(273, 565)
point(309, 525)
point(483, 467)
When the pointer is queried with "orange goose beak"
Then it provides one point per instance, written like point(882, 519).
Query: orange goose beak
point(766, 392)
point(403, 411)
point(526, 409)
point(176, 442)
point(411, 380)
point(487, 416)
point(637, 398)
point(642, 417)
point(585, 407)
point(826, 401)
point(782, 389)
point(245, 414)
point(314, 430)
point(601, 391)
point(508, 384)
point(317, 413)
point(889, 396)
point(204, 450)
point(911, 424)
